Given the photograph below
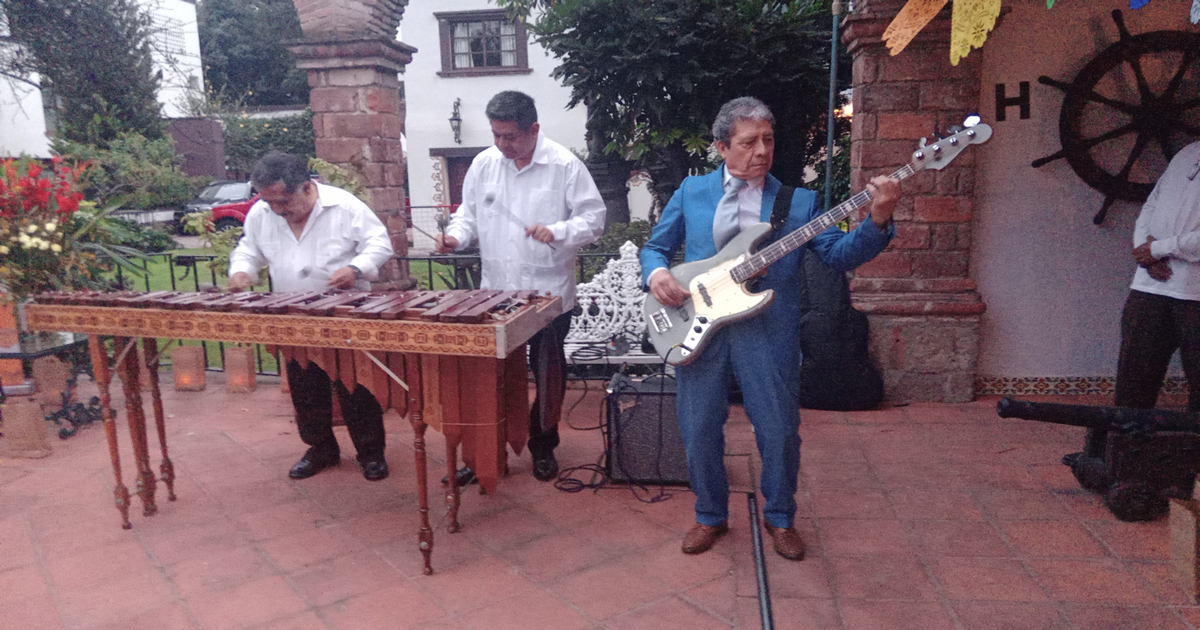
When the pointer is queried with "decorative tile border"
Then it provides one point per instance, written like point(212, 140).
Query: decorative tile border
point(1060, 385)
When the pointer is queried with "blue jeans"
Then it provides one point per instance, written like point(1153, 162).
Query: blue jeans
point(766, 370)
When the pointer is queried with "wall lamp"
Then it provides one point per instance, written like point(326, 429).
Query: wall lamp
point(456, 121)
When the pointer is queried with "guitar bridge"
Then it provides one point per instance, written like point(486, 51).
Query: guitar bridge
point(660, 321)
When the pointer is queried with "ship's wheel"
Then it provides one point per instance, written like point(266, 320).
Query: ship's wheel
point(1128, 112)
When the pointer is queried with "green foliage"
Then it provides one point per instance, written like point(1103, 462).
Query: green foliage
point(244, 56)
point(222, 242)
point(335, 175)
point(654, 73)
point(96, 56)
point(144, 238)
point(248, 139)
point(637, 231)
point(841, 168)
point(134, 170)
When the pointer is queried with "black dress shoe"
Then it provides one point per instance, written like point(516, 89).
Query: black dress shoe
point(313, 463)
point(545, 467)
point(375, 469)
point(464, 477)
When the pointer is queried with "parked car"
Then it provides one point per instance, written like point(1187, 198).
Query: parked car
point(232, 215)
point(217, 193)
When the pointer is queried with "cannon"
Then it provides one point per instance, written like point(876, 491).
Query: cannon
point(1135, 458)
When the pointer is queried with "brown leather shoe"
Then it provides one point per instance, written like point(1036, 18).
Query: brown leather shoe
point(788, 542)
point(701, 538)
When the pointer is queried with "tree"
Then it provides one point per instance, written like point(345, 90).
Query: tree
point(95, 56)
point(654, 73)
point(244, 54)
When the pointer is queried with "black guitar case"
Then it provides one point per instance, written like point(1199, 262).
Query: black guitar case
point(836, 373)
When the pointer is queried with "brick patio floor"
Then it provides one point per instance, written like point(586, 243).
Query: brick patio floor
point(918, 517)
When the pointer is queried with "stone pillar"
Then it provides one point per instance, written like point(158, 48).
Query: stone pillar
point(353, 60)
point(923, 305)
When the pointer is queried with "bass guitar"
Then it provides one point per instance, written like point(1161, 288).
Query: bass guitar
point(719, 285)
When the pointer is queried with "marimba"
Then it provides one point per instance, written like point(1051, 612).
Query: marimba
point(452, 360)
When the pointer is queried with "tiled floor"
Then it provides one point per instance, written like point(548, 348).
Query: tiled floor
point(919, 517)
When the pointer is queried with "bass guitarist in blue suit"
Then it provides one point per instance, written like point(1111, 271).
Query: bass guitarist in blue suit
point(762, 352)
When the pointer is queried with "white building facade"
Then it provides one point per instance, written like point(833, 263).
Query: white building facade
point(468, 51)
point(176, 45)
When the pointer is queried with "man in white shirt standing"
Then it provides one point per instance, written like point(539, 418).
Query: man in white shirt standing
point(1162, 313)
point(532, 205)
point(313, 237)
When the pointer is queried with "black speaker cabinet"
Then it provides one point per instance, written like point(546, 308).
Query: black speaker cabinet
point(644, 445)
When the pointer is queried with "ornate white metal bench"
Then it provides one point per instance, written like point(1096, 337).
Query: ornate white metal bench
point(609, 325)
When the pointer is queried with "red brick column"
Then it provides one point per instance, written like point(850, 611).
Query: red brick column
point(923, 305)
point(353, 60)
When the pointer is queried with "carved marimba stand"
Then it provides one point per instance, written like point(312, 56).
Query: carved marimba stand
point(451, 360)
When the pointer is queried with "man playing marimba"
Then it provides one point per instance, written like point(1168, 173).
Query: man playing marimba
point(312, 237)
point(532, 205)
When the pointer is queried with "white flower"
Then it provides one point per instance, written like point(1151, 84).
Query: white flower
point(44, 245)
point(50, 227)
point(3, 249)
point(26, 244)
point(56, 248)
point(33, 228)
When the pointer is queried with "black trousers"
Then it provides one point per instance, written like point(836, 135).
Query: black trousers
point(1153, 327)
point(549, 366)
point(313, 399)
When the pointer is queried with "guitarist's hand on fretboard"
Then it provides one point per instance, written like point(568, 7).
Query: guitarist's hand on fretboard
point(666, 289)
point(885, 192)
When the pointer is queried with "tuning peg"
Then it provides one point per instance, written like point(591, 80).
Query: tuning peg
point(972, 120)
point(955, 129)
point(921, 143)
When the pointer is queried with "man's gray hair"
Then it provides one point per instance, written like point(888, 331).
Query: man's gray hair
point(737, 110)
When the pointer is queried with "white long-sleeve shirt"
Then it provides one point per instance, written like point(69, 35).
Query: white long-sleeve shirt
point(499, 202)
point(1172, 216)
point(341, 231)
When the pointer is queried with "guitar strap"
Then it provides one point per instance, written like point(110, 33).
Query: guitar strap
point(783, 206)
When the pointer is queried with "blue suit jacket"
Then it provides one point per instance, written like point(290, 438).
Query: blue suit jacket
point(688, 218)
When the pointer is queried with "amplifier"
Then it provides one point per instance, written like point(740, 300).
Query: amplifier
point(643, 443)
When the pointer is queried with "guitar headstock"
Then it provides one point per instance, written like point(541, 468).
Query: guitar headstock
point(937, 155)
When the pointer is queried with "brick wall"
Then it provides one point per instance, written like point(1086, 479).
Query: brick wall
point(923, 305)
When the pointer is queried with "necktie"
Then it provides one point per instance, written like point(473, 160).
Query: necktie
point(725, 220)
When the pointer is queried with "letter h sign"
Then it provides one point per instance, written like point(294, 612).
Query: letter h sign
point(1003, 102)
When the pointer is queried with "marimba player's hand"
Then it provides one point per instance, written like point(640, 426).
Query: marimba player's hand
point(539, 233)
point(239, 281)
point(344, 278)
point(443, 244)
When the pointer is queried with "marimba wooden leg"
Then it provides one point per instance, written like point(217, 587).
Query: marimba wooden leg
point(130, 373)
point(150, 347)
point(103, 380)
point(425, 533)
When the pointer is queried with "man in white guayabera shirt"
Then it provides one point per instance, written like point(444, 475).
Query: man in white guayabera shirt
point(313, 237)
point(1162, 313)
point(532, 205)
